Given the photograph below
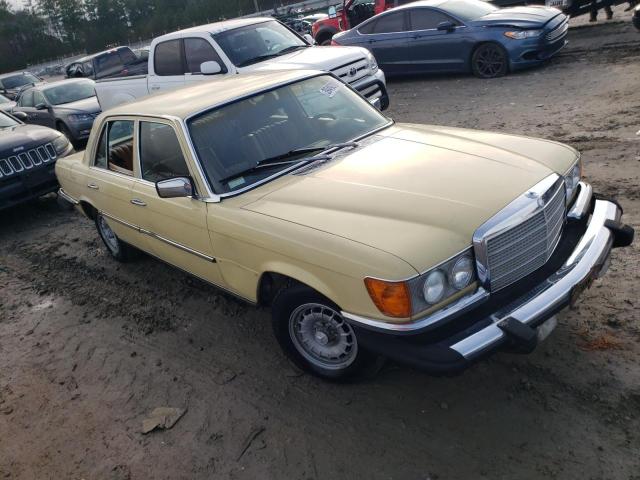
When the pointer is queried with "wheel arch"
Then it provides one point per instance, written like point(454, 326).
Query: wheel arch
point(277, 276)
point(88, 210)
point(486, 42)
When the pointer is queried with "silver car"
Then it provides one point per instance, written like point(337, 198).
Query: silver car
point(69, 106)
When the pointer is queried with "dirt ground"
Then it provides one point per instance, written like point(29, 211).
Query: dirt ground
point(89, 347)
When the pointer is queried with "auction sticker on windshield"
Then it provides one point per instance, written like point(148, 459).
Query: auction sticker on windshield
point(329, 89)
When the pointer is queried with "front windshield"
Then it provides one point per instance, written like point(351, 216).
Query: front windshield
point(4, 99)
point(69, 92)
point(254, 43)
point(468, 10)
point(316, 112)
point(6, 121)
point(16, 81)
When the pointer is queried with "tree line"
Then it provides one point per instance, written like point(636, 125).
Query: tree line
point(46, 29)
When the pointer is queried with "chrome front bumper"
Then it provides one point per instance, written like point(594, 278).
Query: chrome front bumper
point(588, 259)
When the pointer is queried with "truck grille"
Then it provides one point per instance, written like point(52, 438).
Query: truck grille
point(521, 249)
point(558, 32)
point(353, 71)
point(27, 160)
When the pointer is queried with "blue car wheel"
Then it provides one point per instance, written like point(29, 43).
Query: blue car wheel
point(489, 60)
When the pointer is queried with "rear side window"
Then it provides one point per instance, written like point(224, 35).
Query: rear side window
point(393, 22)
point(167, 59)
point(108, 64)
point(160, 153)
point(115, 148)
point(26, 99)
point(127, 56)
point(367, 27)
point(198, 51)
point(426, 18)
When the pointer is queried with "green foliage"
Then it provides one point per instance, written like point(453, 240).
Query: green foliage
point(56, 27)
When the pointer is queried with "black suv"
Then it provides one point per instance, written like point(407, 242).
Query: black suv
point(28, 154)
point(119, 61)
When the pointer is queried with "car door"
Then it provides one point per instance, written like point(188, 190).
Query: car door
point(386, 37)
point(43, 114)
point(168, 66)
point(177, 227)
point(434, 50)
point(110, 179)
point(197, 51)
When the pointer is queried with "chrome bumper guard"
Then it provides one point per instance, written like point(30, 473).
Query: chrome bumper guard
point(588, 260)
point(67, 197)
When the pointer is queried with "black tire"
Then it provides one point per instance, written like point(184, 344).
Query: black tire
point(289, 301)
point(118, 249)
point(489, 60)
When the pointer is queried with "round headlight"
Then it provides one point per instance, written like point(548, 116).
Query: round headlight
point(573, 178)
point(434, 287)
point(462, 273)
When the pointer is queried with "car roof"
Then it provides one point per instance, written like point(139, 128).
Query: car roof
point(421, 3)
point(184, 102)
point(217, 27)
point(45, 86)
point(97, 54)
point(7, 75)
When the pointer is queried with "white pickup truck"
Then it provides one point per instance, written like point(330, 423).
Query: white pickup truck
point(237, 46)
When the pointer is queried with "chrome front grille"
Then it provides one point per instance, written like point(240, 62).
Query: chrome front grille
point(352, 71)
point(515, 251)
point(558, 32)
point(27, 160)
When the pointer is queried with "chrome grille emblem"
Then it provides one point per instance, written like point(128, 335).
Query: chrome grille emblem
point(353, 71)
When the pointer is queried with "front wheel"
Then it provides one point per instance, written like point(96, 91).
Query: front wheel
point(489, 60)
point(314, 335)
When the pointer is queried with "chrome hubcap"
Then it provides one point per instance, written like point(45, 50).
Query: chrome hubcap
point(109, 237)
point(322, 336)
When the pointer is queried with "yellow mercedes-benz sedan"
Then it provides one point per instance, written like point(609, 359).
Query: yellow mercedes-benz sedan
point(430, 245)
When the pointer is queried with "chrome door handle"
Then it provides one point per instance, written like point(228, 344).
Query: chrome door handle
point(94, 186)
point(138, 202)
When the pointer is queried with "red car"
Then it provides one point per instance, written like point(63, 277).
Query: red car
point(352, 13)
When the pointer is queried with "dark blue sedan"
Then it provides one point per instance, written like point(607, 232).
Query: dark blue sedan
point(432, 36)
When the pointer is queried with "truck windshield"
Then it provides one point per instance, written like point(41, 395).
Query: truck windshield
point(255, 43)
point(6, 121)
point(267, 134)
point(69, 92)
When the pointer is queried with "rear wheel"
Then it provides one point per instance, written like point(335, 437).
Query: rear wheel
point(489, 60)
point(117, 248)
point(314, 335)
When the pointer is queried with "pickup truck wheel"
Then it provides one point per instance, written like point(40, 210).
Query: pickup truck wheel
point(117, 248)
point(314, 335)
point(489, 60)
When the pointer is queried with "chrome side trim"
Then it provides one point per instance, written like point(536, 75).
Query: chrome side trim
point(180, 246)
point(589, 255)
point(67, 197)
point(456, 308)
point(583, 201)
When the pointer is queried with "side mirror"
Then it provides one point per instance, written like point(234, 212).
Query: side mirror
point(332, 12)
point(210, 68)
point(20, 115)
point(447, 26)
point(174, 187)
point(41, 106)
point(308, 38)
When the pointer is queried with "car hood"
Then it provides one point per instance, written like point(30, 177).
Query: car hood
point(311, 58)
point(7, 106)
point(87, 105)
point(26, 136)
point(521, 17)
point(416, 192)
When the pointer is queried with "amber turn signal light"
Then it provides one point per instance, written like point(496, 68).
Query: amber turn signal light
point(391, 298)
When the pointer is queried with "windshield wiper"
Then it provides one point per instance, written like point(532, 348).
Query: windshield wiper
point(285, 158)
point(257, 59)
point(291, 48)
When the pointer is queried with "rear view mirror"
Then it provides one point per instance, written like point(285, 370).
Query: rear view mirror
point(175, 187)
point(308, 38)
point(332, 12)
point(448, 26)
point(20, 115)
point(210, 68)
